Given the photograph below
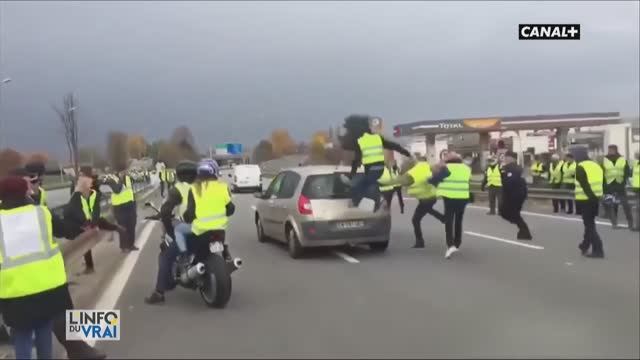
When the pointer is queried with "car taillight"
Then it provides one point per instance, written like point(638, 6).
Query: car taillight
point(304, 206)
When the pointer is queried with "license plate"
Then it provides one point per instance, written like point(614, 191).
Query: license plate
point(216, 247)
point(346, 225)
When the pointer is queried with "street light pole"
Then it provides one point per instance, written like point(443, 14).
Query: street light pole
point(2, 83)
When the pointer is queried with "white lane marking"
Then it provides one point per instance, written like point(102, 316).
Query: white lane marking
point(555, 217)
point(112, 292)
point(504, 240)
point(346, 257)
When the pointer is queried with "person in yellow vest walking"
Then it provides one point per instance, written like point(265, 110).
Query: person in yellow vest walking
point(390, 173)
point(176, 229)
point(33, 280)
point(493, 182)
point(162, 176)
point(537, 170)
point(124, 208)
point(555, 180)
point(453, 185)
point(635, 187)
point(588, 192)
point(569, 178)
point(616, 173)
point(416, 179)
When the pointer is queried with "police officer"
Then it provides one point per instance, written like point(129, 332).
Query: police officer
point(452, 182)
point(537, 170)
point(124, 208)
point(569, 178)
point(616, 173)
point(635, 187)
point(34, 282)
point(493, 180)
point(555, 180)
point(514, 193)
point(588, 192)
point(370, 153)
point(416, 179)
point(177, 197)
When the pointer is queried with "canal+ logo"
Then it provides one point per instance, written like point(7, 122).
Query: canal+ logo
point(93, 325)
point(549, 31)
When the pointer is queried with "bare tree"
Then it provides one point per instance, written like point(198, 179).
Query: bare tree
point(70, 124)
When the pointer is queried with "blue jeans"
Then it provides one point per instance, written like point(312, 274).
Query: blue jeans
point(166, 258)
point(181, 230)
point(367, 186)
point(23, 341)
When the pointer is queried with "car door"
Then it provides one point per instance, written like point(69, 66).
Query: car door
point(266, 205)
point(284, 203)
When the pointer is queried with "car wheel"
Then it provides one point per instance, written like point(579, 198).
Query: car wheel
point(293, 244)
point(260, 231)
point(379, 246)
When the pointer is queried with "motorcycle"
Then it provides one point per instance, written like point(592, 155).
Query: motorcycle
point(209, 267)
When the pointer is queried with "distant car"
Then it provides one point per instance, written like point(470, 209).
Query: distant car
point(310, 207)
point(246, 177)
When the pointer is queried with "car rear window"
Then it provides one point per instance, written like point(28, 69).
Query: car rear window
point(326, 186)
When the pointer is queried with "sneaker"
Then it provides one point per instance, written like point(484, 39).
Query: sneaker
point(450, 252)
point(595, 255)
point(155, 298)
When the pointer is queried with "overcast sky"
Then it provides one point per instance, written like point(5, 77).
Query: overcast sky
point(234, 71)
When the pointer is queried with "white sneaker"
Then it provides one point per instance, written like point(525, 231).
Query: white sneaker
point(367, 205)
point(450, 252)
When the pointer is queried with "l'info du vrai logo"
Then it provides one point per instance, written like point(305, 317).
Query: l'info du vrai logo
point(93, 325)
point(549, 31)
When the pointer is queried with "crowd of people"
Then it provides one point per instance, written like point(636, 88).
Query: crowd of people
point(590, 184)
point(34, 294)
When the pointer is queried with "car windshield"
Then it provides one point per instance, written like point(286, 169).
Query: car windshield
point(327, 186)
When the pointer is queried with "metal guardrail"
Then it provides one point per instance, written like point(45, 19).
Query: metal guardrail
point(74, 249)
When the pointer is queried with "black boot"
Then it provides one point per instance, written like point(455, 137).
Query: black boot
point(419, 244)
point(156, 298)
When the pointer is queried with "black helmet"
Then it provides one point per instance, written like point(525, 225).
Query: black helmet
point(186, 171)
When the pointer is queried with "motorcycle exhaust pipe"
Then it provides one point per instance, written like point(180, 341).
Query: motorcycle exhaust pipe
point(196, 271)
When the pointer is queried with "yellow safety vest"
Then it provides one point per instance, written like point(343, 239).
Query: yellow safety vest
point(30, 259)
point(594, 177)
point(125, 195)
point(569, 173)
point(421, 189)
point(614, 171)
point(43, 196)
point(211, 207)
point(537, 168)
point(555, 172)
point(183, 188)
point(88, 205)
point(494, 176)
point(371, 148)
point(385, 178)
point(635, 179)
point(394, 174)
point(171, 176)
point(456, 185)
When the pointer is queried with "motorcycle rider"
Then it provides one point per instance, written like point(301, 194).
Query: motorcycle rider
point(207, 198)
point(177, 196)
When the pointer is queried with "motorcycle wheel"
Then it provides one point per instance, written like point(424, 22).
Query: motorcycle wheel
point(216, 289)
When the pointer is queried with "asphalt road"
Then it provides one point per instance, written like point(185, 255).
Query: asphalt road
point(492, 299)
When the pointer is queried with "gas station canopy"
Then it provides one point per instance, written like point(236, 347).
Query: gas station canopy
point(496, 123)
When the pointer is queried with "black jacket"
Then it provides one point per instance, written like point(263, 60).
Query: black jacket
point(76, 221)
point(514, 187)
point(174, 198)
point(389, 145)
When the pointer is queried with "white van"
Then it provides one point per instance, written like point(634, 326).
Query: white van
point(246, 177)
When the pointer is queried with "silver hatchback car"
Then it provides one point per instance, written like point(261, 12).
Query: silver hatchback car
point(309, 206)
